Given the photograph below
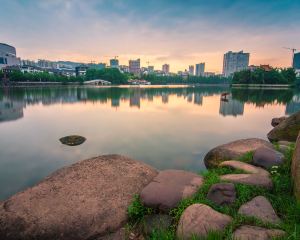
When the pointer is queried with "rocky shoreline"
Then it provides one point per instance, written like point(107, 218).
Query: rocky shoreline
point(115, 197)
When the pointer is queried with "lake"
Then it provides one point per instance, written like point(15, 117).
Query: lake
point(163, 126)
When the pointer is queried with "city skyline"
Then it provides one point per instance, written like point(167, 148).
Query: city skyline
point(180, 33)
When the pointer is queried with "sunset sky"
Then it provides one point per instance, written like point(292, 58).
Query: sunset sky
point(178, 32)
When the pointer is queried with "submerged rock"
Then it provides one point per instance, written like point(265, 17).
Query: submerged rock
point(169, 187)
point(267, 157)
point(287, 130)
point(72, 140)
point(198, 220)
point(86, 200)
point(233, 150)
point(260, 208)
point(247, 232)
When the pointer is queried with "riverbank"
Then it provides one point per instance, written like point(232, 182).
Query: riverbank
point(263, 86)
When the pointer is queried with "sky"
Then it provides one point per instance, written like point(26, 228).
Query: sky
point(178, 32)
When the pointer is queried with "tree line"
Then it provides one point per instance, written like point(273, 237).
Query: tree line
point(261, 76)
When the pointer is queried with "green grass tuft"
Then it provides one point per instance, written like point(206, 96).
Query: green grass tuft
point(136, 210)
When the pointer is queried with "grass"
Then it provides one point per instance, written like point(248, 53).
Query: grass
point(281, 198)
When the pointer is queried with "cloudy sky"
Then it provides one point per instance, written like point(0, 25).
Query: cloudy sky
point(178, 32)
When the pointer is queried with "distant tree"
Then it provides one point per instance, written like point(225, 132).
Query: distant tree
point(1, 74)
point(109, 74)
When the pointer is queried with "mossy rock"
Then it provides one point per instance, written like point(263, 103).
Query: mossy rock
point(72, 140)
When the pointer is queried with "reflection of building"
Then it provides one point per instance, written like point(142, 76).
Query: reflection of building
point(10, 110)
point(8, 56)
point(231, 107)
point(234, 62)
point(115, 102)
point(198, 98)
point(135, 99)
point(293, 106)
point(165, 97)
point(134, 66)
point(200, 68)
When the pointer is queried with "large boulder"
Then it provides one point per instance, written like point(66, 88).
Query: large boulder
point(233, 150)
point(295, 169)
point(267, 157)
point(169, 187)
point(247, 232)
point(259, 207)
point(287, 130)
point(199, 220)
point(86, 200)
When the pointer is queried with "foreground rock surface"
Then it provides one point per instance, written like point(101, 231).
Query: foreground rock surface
point(156, 222)
point(248, 168)
point(199, 220)
point(295, 169)
point(83, 201)
point(233, 150)
point(287, 130)
point(249, 179)
point(169, 187)
point(222, 193)
point(260, 208)
point(267, 157)
point(247, 232)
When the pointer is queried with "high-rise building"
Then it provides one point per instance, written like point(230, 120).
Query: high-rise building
point(114, 63)
point(8, 56)
point(191, 70)
point(150, 69)
point(234, 62)
point(200, 68)
point(296, 61)
point(135, 66)
point(166, 68)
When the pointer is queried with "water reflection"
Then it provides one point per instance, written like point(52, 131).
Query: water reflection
point(14, 100)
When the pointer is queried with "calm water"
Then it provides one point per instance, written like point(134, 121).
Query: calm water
point(166, 127)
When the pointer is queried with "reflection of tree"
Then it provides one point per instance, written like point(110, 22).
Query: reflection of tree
point(262, 96)
point(231, 107)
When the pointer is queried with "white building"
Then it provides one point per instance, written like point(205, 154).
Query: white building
point(8, 56)
point(200, 68)
point(234, 62)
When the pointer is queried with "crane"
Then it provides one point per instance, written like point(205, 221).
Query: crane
point(293, 52)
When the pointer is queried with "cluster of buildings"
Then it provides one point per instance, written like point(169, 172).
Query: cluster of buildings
point(232, 62)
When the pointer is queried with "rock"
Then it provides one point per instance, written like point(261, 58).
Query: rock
point(82, 201)
point(248, 168)
point(72, 140)
point(287, 130)
point(199, 220)
point(285, 143)
point(260, 208)
point(249, 179)
point(267, 157)
point(247, 232)
point(277, 121)
point(295, 169)
point(222, 193)
point(169, 187)
point(155, 222)
point(283, 148)
point(233, 150)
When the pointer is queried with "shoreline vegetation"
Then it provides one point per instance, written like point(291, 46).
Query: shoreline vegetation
point(246, 78)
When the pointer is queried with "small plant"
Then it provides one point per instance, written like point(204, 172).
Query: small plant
point(136, 210)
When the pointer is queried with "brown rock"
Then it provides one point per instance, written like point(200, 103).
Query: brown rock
point(222, 193)
point(249, 179)
point(267, 157)
point(277, 121)
point(247, 232)
point(248, 168)
point(233, 150)
point(260, 208)
point(169, 187)
point(287, 130)
point(199, 220)
point(83, 201)
point(295, 169)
